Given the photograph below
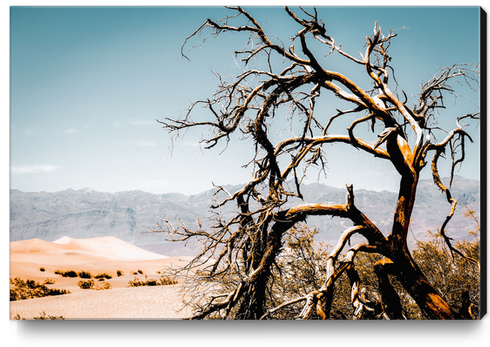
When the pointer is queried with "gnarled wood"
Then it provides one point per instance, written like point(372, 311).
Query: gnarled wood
point(246, 246)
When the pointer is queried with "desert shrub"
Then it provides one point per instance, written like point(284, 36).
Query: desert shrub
point(69, 273)
point(49, 281)
point(54, 291)
point(140, 271)
point(42, 269)
point(84, 274)
point(29, 289)
point(135, 283)
point(163, 281)
point(151, 282)
point(104, 286)
point(453, 277)
point(166, 280)
point(43, 316)
point(103, 276)
point(86, 284)
point(120, 273)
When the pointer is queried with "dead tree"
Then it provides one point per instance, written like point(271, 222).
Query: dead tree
point(240, 252)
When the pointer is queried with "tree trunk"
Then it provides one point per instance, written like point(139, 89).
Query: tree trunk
point(253, 302)
point(415, 283)
point(409, 274)
point(390, 300)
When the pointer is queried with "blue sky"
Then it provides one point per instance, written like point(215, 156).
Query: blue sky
point(87, 85)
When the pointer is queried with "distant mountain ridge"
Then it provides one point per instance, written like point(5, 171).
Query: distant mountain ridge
point(86, 213)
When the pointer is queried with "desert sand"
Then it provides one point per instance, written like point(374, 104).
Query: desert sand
point(97, 255)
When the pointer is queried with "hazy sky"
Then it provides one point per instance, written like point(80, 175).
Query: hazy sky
point(87, 85)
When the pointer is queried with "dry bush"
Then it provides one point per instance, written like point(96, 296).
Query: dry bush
point(28, 289)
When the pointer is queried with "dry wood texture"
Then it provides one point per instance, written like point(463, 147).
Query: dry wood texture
point(245, 248)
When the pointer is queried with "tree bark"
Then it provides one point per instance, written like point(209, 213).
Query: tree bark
point(408, 273)
point(390, 300)
point(415, 283)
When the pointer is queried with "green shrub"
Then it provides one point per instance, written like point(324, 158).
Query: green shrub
point(29, 289)
point(120, 273)
point(42, 269)
point(49, 281)
point(139, 271)
point(86, 284)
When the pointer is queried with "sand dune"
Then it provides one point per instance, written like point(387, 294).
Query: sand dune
point(96, 255)
point(107, 247)
point(162, 302)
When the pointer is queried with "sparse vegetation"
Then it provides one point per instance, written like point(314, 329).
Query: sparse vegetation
point(302, 265)
point(42, 269)
point(29, 289)
point(84, 274)
point(43, 316)
point(69, 273)
point(104, 286)
point(163, 281)
point(86, 284)
point(455, 277)
point(49, 281)
point(103, 276)
point(90, 284)
point(88, 275)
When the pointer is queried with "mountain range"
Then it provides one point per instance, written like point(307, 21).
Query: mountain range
point(131, 215)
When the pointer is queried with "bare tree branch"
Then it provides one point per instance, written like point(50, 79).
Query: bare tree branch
point(239, 252)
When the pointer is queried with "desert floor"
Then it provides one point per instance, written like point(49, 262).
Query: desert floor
point(98, 255)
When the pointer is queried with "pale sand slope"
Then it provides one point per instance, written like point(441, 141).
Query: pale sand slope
point(161, 302)
point(97, 255)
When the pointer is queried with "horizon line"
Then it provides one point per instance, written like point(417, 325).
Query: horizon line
point(208, 190)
